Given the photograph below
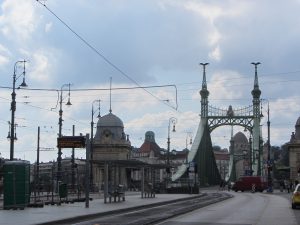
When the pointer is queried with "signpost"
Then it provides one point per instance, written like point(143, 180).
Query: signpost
point(79, 142)
point(71, 142)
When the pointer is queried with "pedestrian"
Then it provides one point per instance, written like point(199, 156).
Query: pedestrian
point(291, 186)
point(281, 184)
point(287, 185)
point(221, 185)
point(295, 183)
point(228, 186)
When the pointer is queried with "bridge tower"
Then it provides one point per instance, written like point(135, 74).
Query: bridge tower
point(211, 118)
point(256, 133)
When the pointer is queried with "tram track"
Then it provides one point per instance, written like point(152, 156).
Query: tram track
point(148, 214)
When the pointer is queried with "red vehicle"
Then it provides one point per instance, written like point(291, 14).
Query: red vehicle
point(250, 183)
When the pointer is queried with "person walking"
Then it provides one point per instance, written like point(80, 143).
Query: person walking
point(287, 185)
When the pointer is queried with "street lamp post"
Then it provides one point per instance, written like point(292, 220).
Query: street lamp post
point(269, 164)
point(92, 138)
point(60, 128)
point(173, 121)
point(13, 105)
point(269, 152)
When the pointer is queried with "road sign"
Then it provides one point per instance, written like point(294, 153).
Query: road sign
point(71, 142)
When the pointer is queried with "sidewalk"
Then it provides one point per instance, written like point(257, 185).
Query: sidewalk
point(49, 213)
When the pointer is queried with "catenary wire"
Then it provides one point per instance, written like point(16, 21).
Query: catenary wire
point(103, 57)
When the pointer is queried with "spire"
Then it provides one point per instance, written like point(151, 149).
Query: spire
point(256, 92)
point(204, 84)
point(204, 93)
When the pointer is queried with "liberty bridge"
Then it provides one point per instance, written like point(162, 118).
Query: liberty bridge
point(201, 153)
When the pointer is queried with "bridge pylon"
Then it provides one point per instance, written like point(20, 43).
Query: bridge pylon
point(201, 153)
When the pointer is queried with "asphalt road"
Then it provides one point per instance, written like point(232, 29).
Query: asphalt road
point(288, 197)
point(243, 209)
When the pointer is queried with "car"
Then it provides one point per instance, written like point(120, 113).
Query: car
point(296, 197)
point(250, 183)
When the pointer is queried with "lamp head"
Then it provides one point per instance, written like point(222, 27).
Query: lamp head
point(68, 103)
point(174, 130)
point(23, 83)
point(8, 136)
point(99, 116)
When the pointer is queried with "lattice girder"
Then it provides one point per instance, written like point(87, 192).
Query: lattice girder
point(244, 121)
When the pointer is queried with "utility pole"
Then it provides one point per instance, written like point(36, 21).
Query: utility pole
point(38, 158)
point(269, 164)
point(13, 106)
point(73, 162)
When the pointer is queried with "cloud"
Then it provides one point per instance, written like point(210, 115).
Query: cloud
point(18, 20)
point(41, 65)
point(48, 27)
point(4, 55)
point(223, 85)
point(215, 54)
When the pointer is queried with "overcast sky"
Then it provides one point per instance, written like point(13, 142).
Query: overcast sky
point(139, 44)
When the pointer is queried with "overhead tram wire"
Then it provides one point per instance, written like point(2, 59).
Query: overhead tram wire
point(104, 58)
point(92, 89)
point(107, 89)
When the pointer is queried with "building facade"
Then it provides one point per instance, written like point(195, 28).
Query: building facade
point(294, 152)
point(110, 144)
point(222, 161)
point(241, 154)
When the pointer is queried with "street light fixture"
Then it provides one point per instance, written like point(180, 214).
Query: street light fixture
point(172, 121)
point(60, 127)
point(92, 138)
point(13, 105)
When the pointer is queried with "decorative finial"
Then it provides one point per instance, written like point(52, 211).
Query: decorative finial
point(256, 92)
point(204, 85)
point(255, 78)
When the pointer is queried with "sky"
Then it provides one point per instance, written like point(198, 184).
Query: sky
point(150, 51)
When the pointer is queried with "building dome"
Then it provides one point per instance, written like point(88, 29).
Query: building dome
point(240, 138)
point(298, 122)
point(150, 136)
point(110, 120)
point(297, 129)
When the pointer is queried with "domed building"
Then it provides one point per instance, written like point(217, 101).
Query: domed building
point(294, 152)
point(110, 144)
point(241, 148)
point(150, 148)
